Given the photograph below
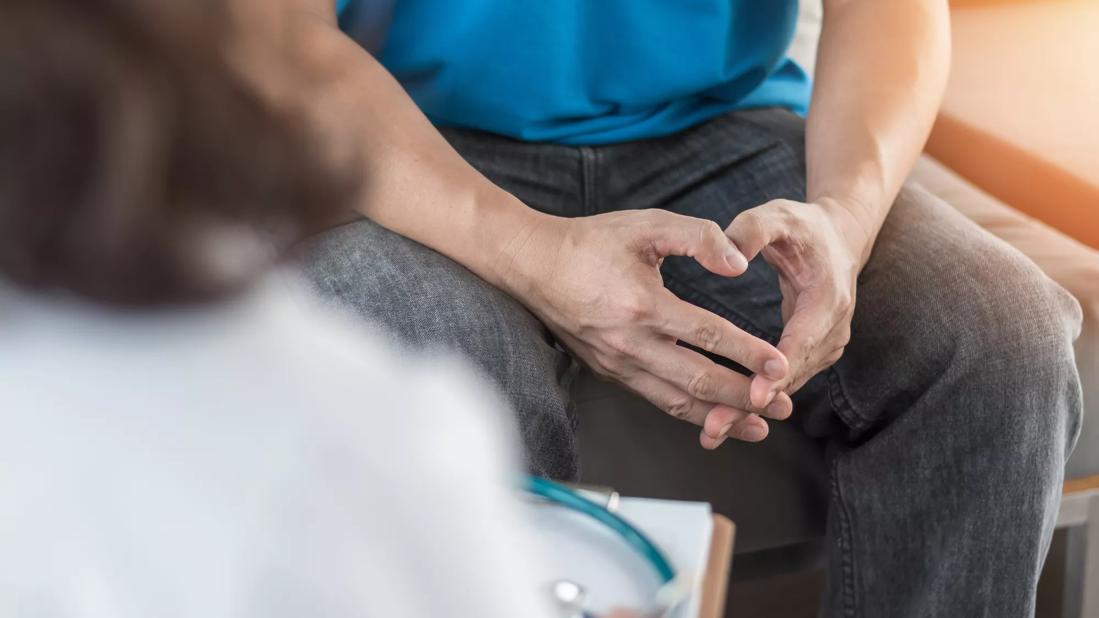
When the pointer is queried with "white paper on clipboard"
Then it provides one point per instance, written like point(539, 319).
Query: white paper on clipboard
point(575, 547)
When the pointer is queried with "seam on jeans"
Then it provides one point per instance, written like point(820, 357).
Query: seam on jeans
point(588, 166)
point(841, 403)
point(708, 302)
point(845, 540)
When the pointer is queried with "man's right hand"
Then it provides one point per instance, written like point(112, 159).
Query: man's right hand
point(595, 281)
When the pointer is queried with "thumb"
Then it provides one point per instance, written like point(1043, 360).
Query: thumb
point(700, 239)
point(754, 229)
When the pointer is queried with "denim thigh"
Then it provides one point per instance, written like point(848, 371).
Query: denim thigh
point(951, 413)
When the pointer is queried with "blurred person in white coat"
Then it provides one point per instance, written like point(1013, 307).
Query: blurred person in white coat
point(183, 434)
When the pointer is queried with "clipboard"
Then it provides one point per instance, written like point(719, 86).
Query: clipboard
point(697, 542)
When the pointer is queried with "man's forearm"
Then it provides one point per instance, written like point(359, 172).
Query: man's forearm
point(882, 68)
point(414, 183)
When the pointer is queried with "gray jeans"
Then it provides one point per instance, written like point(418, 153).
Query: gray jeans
point(949, 417)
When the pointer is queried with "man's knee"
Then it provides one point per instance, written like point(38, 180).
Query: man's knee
point(430, 302)
point(1012, 353)
point(950, 315)
point(1010, 316)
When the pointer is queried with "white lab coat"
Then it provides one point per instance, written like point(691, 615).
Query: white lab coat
point(261, 458)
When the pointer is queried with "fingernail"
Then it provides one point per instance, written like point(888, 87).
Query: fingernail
point(752, 433)
point(736, 259)
point(774, 369)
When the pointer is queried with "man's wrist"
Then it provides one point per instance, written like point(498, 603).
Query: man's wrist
point(509, 242)
point(857, 221)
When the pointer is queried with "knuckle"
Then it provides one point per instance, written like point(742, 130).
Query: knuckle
point(619, 346)
point(659, 215)
point(844, 338)
point(634, 309)
point(709, 231)
point(779, 206)
point(752, 221)
point(794, 222)
point(708, 337)
point(809, 343)
point(658, 218)
point(678, 407)
point(702, 386)
point(844, 301)
point(603, 367)
point(648, 218)
point(604, 372)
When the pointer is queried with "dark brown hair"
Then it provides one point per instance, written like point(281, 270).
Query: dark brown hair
point(136, 166)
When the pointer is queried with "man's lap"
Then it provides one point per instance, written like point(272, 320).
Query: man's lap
point(936, 284)
point(917, 293)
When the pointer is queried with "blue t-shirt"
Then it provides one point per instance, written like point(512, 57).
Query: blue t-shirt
point(586, 72)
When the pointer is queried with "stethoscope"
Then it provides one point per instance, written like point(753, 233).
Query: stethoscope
point(569, 596)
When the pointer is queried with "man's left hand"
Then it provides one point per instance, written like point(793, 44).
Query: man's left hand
point(817, 249)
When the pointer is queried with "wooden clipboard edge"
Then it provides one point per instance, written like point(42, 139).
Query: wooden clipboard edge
point(715, 585)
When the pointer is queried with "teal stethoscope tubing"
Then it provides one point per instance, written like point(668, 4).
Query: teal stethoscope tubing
point(559, 494)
